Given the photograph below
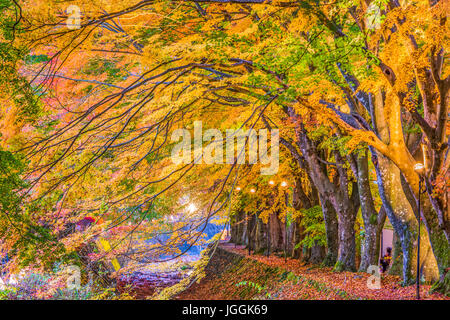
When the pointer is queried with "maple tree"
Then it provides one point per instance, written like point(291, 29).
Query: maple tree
point(355, 88)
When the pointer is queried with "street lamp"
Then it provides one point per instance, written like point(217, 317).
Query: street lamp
point(419, 168)
point(271, 182)
point(237, 189)
point(283, 185)
point(252, 190)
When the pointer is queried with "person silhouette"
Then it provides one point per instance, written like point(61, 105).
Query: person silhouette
point(386, 260)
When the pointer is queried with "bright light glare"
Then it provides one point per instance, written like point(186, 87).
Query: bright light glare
point(419, 167)
point(284, 184)
point(252, 190)
point(192, 208)
point(271, 182)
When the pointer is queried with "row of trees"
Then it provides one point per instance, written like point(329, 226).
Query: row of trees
point(358, 89)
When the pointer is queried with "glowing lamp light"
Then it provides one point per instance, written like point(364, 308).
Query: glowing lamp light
point(252, 190)
point(192, 208)
point(271, 182)
point(419, 167)
point(284, 184)
point(238, 188)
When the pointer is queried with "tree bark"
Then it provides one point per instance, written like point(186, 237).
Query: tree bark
point(331, 229)
point(345, 205)
point(369, 254)
point(404, 221)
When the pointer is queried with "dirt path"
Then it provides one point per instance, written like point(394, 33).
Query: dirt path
point(233, 274)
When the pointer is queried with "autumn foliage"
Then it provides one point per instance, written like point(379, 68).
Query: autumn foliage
point(92, 94)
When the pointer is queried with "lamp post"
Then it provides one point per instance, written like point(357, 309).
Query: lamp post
point(419, 168)
point(271, 182)
point(283, 185)
point(252, 190)
point(235, 244)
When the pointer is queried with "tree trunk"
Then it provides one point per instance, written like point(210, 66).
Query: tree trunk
point(296, 238)
point(347, 245)
point(369, 214)
point(331, 229)
point(317, 254)
point(397, 206)
point(276, 233)
point(239, 228)
point(441, 251)
point(381, 219)
point(396, 267)
point(346, 206)
point(260, 242)
point(404, 221)
point(368, 247)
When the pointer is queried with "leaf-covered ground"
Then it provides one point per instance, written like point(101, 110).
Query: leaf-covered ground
point(233, 274)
